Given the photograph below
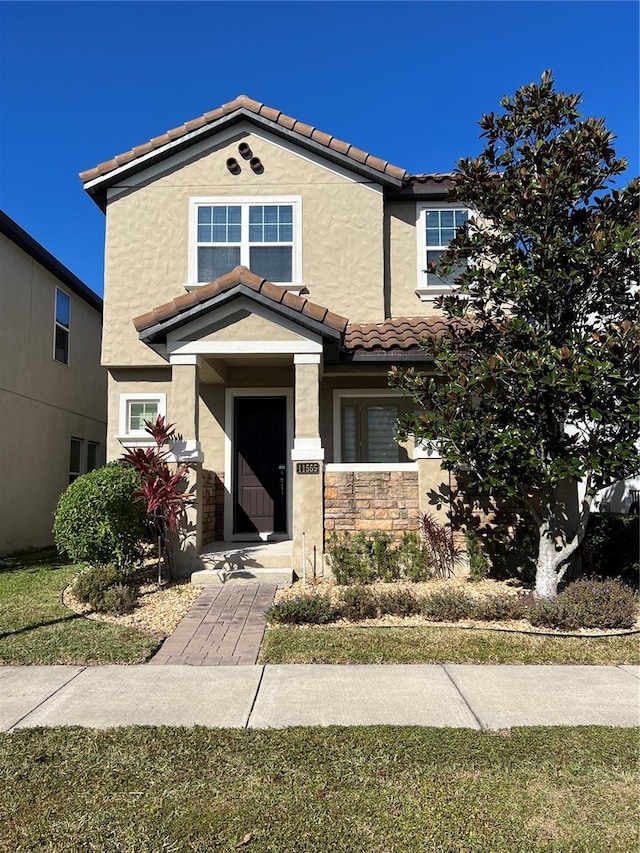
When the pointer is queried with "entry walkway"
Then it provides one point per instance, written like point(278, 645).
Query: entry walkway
point(224, 627)
point(260, 697)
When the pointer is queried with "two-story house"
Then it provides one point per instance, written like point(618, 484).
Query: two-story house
point(261, 279)
point(52, 387)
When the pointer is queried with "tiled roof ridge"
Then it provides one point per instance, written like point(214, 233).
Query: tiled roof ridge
point(260, 109)
point(241, 275)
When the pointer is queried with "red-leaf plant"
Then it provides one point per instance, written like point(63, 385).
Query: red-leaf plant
point(161, 487)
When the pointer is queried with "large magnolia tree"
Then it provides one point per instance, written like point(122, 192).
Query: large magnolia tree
point(539, 378)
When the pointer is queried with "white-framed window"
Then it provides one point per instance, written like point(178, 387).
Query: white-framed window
point(261, 233)
point(365, 425)
point(135, 409)
point(437, 225)
point(76, 453)
point(61, 326)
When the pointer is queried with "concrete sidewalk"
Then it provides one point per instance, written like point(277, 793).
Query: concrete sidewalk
point(258, 697)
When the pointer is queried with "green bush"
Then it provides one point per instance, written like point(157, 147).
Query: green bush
point(310, 609)
point(97, 519)
point(496, 608)
point(358, 602)
point(400, 602)
point(102, 588)
point(610, 547)
point(350, 558)
point(448, 605)
point(478, 560)
point(414, 562)
point(588, 604)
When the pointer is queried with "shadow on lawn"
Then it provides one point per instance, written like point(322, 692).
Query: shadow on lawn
point(37, 625)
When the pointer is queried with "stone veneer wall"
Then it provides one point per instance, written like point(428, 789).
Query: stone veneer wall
point(371, 500)
point(212, 506)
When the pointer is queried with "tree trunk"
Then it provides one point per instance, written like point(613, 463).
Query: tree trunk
point(558, 539)
point(547, 577)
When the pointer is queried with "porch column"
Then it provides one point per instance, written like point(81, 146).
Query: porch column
point(185, 400)
point(307, 459)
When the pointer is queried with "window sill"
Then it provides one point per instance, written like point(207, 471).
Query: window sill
point(428, 293)
point(372, 466)
point(296, 289)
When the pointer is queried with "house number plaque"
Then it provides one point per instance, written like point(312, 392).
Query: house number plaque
point(307, 467)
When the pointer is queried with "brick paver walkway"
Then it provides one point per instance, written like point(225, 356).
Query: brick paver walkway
point(224, 627)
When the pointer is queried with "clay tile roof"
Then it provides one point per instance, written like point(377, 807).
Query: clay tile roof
point(239, 276)
point(243, 102)
point(404, 333)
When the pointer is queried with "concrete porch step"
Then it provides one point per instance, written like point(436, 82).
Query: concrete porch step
point(212, 576)
point(234, 562)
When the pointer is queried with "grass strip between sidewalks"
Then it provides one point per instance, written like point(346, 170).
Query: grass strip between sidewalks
point(378, 789)
point(328, 644)
point(36, 628)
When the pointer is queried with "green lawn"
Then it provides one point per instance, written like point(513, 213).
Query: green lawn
point(327, 644)
point(379, 790)
point(36, 628)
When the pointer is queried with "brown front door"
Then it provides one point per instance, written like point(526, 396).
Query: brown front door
point(260, 458)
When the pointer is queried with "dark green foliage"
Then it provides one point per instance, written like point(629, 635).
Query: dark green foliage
point(478, 560)
point(350, 558)
point(103, 589)
point(98, 520)
point(358, 602)
point(589, 604)
point(399, 602)
point(610, 548)
point(448, 605)
point(310, 609)
point(414, 561)
point(545, 336)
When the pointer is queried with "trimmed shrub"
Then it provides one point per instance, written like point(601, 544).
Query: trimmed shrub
point(588, 604)
point(350, 558)
point(495, 608)
point(400, 602)
point(310, 609)
point(98, 520)
point(478, 560)
point(102, 588)
point(414, 562)
point(358, 602)
point(448, 605)
point(119, 599)
point(610, 547)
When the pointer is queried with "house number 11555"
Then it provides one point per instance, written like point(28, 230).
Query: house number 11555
point(307, 467)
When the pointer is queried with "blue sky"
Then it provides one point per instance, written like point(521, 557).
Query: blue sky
point(406, 81)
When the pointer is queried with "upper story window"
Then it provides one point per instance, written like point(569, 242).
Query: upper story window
point(436, 229)
point(261, 233)
point(61, 327)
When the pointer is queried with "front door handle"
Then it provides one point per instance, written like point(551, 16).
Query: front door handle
point(282, 468)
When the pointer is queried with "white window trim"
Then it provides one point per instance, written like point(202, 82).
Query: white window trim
point(245, 201)
point(369, 393)
point(137, 438)
point(429, 292)
point(55, 326)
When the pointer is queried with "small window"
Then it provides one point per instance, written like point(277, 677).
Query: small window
point(93, 453)
point(61, 330)
point(141, 411)
point(369, 429)
point(437, 228)
point(260, 236)
point(75, 459)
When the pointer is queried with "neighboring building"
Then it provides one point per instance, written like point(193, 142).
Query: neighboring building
point(259, 276)
point(52, 388)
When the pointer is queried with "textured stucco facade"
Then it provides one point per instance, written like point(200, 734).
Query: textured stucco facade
point(43, 402)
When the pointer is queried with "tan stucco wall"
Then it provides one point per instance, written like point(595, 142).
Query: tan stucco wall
point(43, 403)
point(251, 328)
point(147, 238)
point(139, 381)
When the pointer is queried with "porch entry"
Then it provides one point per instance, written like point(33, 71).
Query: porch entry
point(260, 466)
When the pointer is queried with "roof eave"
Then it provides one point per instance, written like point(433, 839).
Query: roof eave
point(158, 332)
point(97, 187)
